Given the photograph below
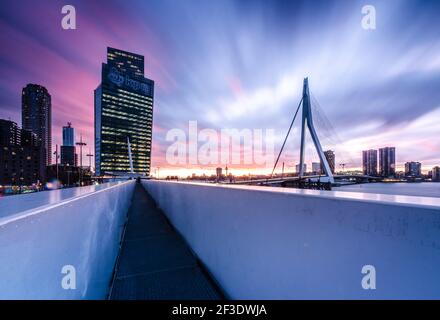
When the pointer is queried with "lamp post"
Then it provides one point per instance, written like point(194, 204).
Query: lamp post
point(90, 155)
point(56, 159)
point(80, 144)
point(68, 175)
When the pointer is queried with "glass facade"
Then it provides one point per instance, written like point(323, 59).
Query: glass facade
point(369, 162)
point(387, 161)
point(123, 111)
point(37, 116)
point(68, 135)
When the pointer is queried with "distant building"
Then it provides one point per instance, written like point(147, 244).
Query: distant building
point(316, 167)
point(22, 158)
point(123, 111)
point(413, 169)
point(36, 112)
point(387, 161)
point(331, 159)
point(219, 172)
point(68, 155)
point(297, 168)
point(68, 135)
point(435, 174)
point(68, 150)
point(369, 162)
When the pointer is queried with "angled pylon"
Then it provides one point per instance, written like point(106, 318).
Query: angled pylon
point(308, 120)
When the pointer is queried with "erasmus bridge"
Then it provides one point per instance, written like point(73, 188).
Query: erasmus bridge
point(328, 178)
point(152, 239)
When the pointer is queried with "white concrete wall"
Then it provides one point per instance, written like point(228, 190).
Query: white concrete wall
point(269, 243)
point(83, 231)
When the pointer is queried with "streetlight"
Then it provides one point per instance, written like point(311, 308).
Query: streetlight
point(80, 144)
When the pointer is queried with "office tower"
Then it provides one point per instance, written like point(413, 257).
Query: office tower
point(297, 168)
point(37, 116)
point(331, 159)
point(219, 172)
point(435, 175)
point(369, 162)
point(21, 156)
point(413, 169)
point(68, 135)
point(387, 161)
point(316, 167)
point(123, 115)
point(68, 156)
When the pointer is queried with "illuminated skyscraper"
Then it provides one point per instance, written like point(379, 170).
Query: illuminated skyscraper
point(123, 112)
point(36, 109)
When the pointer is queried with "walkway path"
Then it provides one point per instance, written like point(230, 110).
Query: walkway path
point(154, 261)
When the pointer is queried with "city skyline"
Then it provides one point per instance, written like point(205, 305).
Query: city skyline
point(258, 58)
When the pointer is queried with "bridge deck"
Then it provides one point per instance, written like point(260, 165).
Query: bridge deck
point(154, 261)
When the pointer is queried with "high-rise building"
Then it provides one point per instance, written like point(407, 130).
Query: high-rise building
point(36, 111)
point(413, 169)
point(123, 115)
point(369, 162)
point(387, 161)
point(68, 156)
point(435, 175)
point(331, 159)
point(219, 172)
point(68, 135)
point(21, 156)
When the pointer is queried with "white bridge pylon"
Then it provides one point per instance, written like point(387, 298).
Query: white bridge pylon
point(307, 120)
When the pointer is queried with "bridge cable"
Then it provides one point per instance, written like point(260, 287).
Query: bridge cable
point(288, 132)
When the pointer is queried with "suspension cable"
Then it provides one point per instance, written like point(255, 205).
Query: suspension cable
point(288, 132)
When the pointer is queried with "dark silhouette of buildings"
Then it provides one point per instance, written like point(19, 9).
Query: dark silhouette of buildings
point(413, 169)
point(36, 110)
point(22, 158)
point(387, 162)
point(331, 159)
point(123, 112)
point(435, 175)
point(369, 162)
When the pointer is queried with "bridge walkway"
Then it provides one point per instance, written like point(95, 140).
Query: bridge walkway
point(154, 261)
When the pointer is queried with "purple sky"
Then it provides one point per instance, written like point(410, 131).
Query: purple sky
point(240, 64)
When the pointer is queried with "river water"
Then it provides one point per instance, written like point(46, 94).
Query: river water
point(421, 189)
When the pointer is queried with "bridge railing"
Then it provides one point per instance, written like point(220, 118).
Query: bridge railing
point(273, 243)
point(61, 244)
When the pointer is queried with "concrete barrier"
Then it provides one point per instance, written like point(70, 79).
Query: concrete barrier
point(66, 248)
point(273, 243)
